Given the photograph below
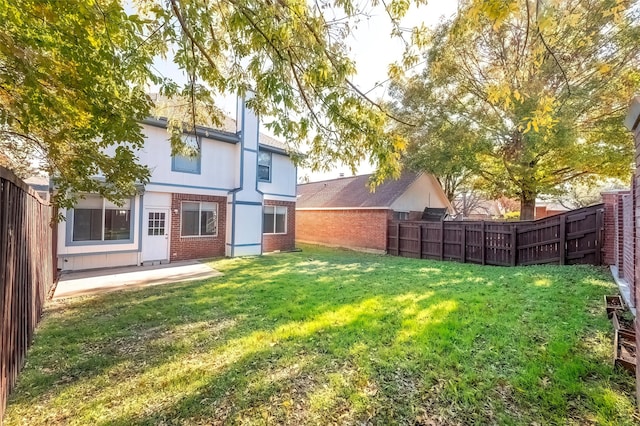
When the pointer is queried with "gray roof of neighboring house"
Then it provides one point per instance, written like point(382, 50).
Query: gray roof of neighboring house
point(353, 192)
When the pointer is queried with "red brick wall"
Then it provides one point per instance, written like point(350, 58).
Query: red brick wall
point(636, 197)
point(282, 242)
point(360, 229)
point(619, 211)
point(543, 211)
point(184, 248)
point(610, 230)
point(627, 237)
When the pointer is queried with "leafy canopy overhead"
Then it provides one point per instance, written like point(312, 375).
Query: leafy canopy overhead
point(545, 83)
point(540, 80)
point(73, 77)
point(71, 85)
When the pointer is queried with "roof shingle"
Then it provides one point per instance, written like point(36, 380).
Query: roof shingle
point(352, 192)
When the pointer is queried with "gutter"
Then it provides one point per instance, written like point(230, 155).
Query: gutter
point(206, 132)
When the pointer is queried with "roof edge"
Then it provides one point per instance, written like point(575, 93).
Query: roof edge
point(345, 208)
point(203, 131)
point(331, 180)
point(273, 149)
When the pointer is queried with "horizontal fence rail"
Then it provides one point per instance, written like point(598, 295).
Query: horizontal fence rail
point(26, 273)
point(569, 238)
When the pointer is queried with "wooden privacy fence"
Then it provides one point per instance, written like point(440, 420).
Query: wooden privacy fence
point(568, 238)
point(26, 273)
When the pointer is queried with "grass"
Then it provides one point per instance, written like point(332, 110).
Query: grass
point(328, 336)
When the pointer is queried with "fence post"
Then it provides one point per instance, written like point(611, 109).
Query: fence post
point(598, 239)
point(442, 240)
point(563, 239)
point(419, 241)
point(398, 238)
point(483, 244)
point(514, 249)
point(463, 246)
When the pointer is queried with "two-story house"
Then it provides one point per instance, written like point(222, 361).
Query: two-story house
point(235, 198)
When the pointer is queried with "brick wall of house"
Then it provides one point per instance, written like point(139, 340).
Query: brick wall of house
point(184, 248)
point(357, 229)
point(635, 191)
point(543, 211)
point(619, 233)
point(613, 245)
point(609, 247)
point(636, 197)
point(286, 241)
point(620, 227)
point(628, 242)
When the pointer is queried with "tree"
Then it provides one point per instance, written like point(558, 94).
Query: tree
point(584, 192)
point(438, 142)
point(73, 79)
point(468, 201)
point(546, 82)
point(71, 84)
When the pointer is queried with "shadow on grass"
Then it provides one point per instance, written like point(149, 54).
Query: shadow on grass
point(330, 336)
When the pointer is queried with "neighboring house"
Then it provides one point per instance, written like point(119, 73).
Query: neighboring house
point(476, 207)
point(344, 212)
point(40, 184)
point(546, 209)
point(236, 198)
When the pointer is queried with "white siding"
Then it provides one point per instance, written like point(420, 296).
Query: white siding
point(156, 199)
point(424, 192)
point(89, 255)
point(220, 174)
point(218, 168)
point(283, 179)
point(244, 219)
point(99, 260)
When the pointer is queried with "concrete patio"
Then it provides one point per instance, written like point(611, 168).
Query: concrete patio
point(84, 283)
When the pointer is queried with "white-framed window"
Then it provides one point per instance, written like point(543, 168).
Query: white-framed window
point(97, 219)
point(264, 166)
point(198, 219)
point(157, 223)
point(274, 220)
point(188, 162)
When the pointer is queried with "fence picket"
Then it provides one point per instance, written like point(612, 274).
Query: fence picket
point(568, 238)
point(26, 273)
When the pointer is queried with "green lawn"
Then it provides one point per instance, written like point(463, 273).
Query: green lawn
point(328, 336)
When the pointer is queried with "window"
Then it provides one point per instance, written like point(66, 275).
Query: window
point(264, 166)
point(188, 162)
point(96, 219)
point(156, 223)
point(275, 220)
point(199, 219)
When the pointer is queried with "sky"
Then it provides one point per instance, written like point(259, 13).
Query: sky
point(372, 48)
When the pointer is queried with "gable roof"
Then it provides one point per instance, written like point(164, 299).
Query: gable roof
point(353, 192)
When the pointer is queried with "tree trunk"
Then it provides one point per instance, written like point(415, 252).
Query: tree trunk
point(527, 205)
